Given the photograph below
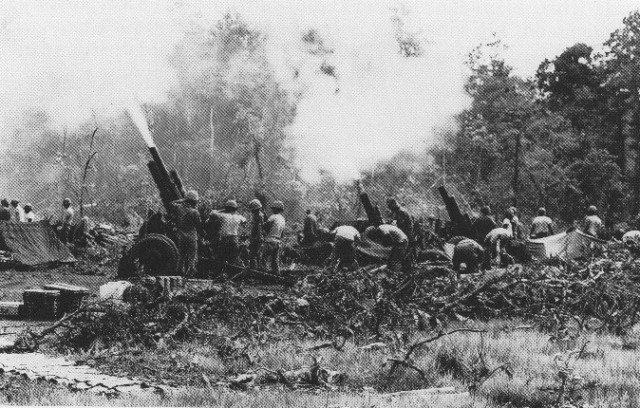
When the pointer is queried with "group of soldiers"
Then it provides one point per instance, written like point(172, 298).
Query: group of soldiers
point(490, 240)
point(399, 235)
point(223, 228)
point(12, 211)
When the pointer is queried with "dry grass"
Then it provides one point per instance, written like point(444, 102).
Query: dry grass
point(609, 368)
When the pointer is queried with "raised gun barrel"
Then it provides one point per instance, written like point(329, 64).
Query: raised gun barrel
point(165, 181)
point(461, 222)
point(373, 212)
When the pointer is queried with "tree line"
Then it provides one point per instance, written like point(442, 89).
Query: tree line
point(564, 139)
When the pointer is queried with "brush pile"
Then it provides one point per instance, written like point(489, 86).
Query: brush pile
point(564, 298)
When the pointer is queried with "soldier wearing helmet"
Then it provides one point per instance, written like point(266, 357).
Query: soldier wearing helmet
point(404, 221)
point(29, 215)
point(229, 222)
point(390, 235)
point(18, 212)
point(256, 239)
point(593, 224)
point(310, 230)
point(402, 218)
point(274, 231)
point(189, 226)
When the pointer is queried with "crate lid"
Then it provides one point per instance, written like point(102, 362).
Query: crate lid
point(42, 291)
point(65, 287)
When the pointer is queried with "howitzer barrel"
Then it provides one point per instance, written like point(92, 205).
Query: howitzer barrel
point(461, 223)
point(373, 213)
point(167, 187)
point(177, 181)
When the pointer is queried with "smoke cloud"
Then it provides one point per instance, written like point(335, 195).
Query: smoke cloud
point(361, 100)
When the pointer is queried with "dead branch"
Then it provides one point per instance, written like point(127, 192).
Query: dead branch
point(414, 346)
point(404, 363)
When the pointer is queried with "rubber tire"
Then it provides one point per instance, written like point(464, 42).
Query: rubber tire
point(157, 254)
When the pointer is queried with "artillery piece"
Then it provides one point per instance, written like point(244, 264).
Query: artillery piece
point(156, 253)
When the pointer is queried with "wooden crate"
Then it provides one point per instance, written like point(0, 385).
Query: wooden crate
point(41, 304)
point(71, 296)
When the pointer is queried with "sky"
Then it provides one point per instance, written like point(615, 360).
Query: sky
point(78, 59)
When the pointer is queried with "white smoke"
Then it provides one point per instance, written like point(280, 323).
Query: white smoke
point(140, 121)
point(75, 59)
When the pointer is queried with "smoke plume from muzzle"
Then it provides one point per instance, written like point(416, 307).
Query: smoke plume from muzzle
point(140, 121)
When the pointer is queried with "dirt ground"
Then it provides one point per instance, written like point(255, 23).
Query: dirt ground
point(13, 282)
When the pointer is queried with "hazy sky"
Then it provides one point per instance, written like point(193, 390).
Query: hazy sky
point(73, 58)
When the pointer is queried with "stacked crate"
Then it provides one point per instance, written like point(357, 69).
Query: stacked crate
point(41, 304)
point(70, 296)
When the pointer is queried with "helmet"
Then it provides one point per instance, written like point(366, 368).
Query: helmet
point(486, 210)
point(542, 211)
point(255, 204)
point(231, 204)
point(277, 205)
point(392, 203)
point(66, 201)
point(592, 209)
point(191, 195)
point(15, 203)
point(28, 207)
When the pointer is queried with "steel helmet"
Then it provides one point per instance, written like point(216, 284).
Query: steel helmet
point(255, 204)
point(392, 203)
point(277, 205)
point(66, 201)
point(231, 204)
point(592, 209)
point(28, 207)
point(191, 195)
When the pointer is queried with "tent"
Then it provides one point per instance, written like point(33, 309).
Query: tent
point(566, 246)
point(33, 243)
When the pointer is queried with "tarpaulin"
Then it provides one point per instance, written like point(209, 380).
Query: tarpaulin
point(33, 243)
point(566, 246)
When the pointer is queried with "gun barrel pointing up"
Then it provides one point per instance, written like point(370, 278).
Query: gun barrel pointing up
point(166, 183)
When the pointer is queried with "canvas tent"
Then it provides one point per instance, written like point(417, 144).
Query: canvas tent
point(566, 246)
point(33, 243)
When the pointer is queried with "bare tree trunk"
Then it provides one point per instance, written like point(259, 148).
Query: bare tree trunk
point(257, 148)
point(84, 173)
point(516, 171)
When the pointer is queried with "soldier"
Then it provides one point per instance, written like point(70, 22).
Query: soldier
point(17, 213)
point(593, 225)
point(29, 215)
point(5, 212)
point(66, 226)
point(274, 231)
point(189, 225)
point(402, 217)
point(391, 235)
point(256, 239)
point(469, 252)
point(483, 224)
point(496, 239)
point(541, 226)
point(310, 229)
point(344, 249)
point(230, 221)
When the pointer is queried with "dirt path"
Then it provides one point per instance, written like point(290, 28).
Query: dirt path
point(57, 370)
